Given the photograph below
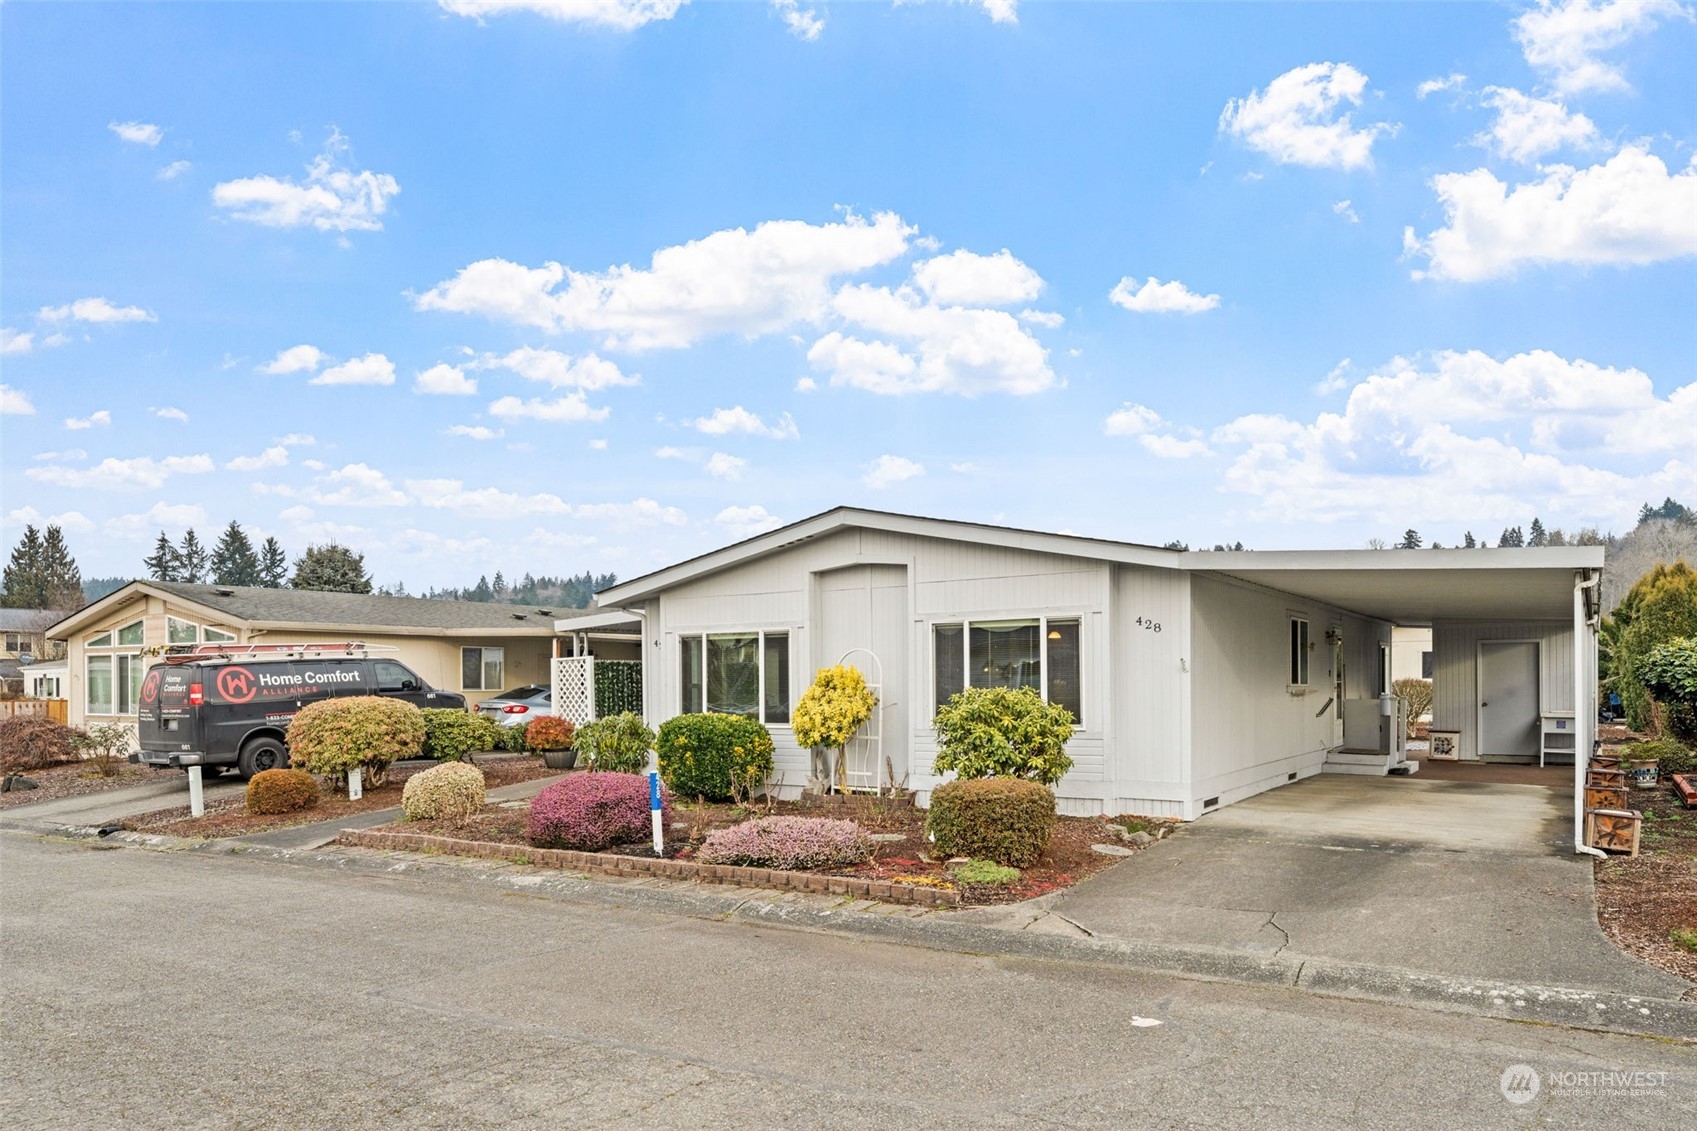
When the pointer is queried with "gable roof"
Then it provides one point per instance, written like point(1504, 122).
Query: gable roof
point(310, 609)
point(844, 518)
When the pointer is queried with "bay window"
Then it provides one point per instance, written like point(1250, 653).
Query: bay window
point(736, 673)
point(1040, 653)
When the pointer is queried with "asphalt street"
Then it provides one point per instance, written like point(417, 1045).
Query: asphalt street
point(158, 990)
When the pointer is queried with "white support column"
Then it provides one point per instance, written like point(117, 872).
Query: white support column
point(1584, 696)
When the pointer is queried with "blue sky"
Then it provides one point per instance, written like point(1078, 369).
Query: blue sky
point(527, 286)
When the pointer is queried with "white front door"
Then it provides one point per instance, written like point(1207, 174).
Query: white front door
point(1508, 698)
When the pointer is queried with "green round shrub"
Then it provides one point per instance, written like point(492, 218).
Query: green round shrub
point(719, 757)
point(452, 791)
point(450, 733)
point(986, 732)
point(281, 791)
point(1007, 820)
point(618, 743)
point(1671, 757)
point(366, 732)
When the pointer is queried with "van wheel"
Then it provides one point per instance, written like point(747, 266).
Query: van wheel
point(261, 754)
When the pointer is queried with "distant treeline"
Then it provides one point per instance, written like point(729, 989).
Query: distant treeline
point(548, 592)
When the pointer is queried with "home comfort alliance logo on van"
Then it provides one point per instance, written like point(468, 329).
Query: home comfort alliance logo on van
point(243, 685)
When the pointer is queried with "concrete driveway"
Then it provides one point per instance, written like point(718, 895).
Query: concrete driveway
point(1447, 877)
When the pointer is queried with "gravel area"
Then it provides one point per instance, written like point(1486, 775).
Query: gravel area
point(74, 780)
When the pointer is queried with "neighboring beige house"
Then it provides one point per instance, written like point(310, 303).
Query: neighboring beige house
point(476, 648)
point(23, 635)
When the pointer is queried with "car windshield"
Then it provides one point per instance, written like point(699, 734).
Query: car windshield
point(522, 693)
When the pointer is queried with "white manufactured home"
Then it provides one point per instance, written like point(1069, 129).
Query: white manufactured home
point(1197, 679)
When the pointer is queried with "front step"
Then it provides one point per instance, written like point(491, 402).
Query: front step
point(1367, 763)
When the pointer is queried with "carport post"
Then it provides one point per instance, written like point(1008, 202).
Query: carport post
point(1584, 697)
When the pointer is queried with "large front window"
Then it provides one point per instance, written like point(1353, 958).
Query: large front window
point(736, 673)
point(113, 683)
point(1039, 653)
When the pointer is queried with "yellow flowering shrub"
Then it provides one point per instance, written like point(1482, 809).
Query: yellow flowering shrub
point(833, 708)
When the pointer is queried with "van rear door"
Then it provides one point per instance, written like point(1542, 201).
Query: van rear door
point(167, 720)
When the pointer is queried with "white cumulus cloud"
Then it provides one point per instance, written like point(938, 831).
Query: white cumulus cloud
point(276, 456)
point(1345, 209)
point(74, 521)
point(1453, 81)
point(444, 380)
point(141, 473)
point(744, 522)
point(355, 485)
point(737, 419)
point(1629, 210)
point(372, 369)
point(160, 516)
point(804, 23)
point(1566, 41)
point(95, 310)
point(15, 402)
point(476, 432)
point(137, 133)
point(1156, 297)
point(333, 198)
point(721, 465)
point(559, 370)
point(169, 413)
point(296, 359)
point(732, 281)
point(486, 502)
point(102, 418)
point(1154, 434)
point(888, 470)
point(570, 409)
point(964, 278)
point(172, 171)
point(1526, 128)
point(1302, 119)
point(16, 341)
point(620, 15)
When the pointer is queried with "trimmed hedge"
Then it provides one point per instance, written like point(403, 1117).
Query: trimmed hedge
point(549, 733)
point(1008, 820)
point(332, 736)
point(790, 843)
point(452, 791)
point(590, 812)
point(282, 791)
point(450, 733)
point(719, 757)
point(618, 743)
point(34, 742)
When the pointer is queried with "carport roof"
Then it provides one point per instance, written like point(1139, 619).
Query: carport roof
point(1415, 587)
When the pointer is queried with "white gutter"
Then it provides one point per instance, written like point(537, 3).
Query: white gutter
point(1584, 702)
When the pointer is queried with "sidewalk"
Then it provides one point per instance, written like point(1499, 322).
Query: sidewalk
point(95, 810)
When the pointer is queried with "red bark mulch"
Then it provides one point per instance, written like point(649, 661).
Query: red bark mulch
point(229, 817)
point(74, 780)
point(1068, 859)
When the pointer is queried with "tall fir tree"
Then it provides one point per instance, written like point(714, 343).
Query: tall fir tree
point(331, 568)
point(1411, 540)
point(1537, 537)
point(233, 559)
point(25, 579)
point(60, 578)
point(273, 565)
point(1467, 542)
point(163, 564)
point(1511, 537)
point(191, 558)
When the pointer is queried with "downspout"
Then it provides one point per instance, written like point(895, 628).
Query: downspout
point(1584, 702)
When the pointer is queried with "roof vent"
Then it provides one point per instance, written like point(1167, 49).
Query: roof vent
point(225, 592)
point(520, 616)
point(544, 612)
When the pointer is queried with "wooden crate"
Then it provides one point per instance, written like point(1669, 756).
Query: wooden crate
point(1613, 830)
point(1605, 797)
point(1605, 761)
point(1605, 778)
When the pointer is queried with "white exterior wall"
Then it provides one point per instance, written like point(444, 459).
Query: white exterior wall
point(947, 581)
point(1455, 671)
point(1250, 730)
point(1149, 740)
point(1408, 645)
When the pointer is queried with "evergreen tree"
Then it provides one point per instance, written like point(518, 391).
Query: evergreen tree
point(1467, 541)
point(233, 559)
point(481, 591)
point(25, 577)
point(498, 587)
point(1537, 537)
point(1411, 540)
point(191, 558)
point(61, 579)
point(162, 564)
point(331, 568)
point(273, 564)
point(1511, 536)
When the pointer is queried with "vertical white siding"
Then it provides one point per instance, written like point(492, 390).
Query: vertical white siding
point(1150, 682)
point(1455, 670)
point(1249, 730)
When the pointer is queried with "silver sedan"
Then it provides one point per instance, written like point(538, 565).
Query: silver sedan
point(517, 707)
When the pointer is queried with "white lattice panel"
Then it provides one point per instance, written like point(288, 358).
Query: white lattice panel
point(574, 688)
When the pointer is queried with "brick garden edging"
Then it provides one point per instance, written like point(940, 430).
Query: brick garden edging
point(609, 864)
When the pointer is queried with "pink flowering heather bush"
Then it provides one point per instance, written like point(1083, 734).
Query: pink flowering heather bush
point(590, 812)
point(789, 843)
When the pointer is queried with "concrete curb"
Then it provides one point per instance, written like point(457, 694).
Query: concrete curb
point(1550, 1005)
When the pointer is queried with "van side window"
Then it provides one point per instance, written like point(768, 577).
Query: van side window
point(393, 677)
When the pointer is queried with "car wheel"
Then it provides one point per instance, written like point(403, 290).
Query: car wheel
point(261, 754)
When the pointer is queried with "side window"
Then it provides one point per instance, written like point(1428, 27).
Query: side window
point(1298, 652)
point(482, 669)
point(393, 677)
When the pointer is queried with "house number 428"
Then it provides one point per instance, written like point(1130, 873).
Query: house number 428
point(1151, 625)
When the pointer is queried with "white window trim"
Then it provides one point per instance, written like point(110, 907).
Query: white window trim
point(194, 638)
point(1307, 663)
point(760, 648)
point(114, 655)
point(1081, 618)
point(481, 670)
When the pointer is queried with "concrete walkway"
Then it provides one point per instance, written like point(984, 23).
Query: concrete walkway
point(1448, 878)
point(93, 810)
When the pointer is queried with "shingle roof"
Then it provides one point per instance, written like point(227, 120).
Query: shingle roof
point(27, 620)
point(359, 610)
